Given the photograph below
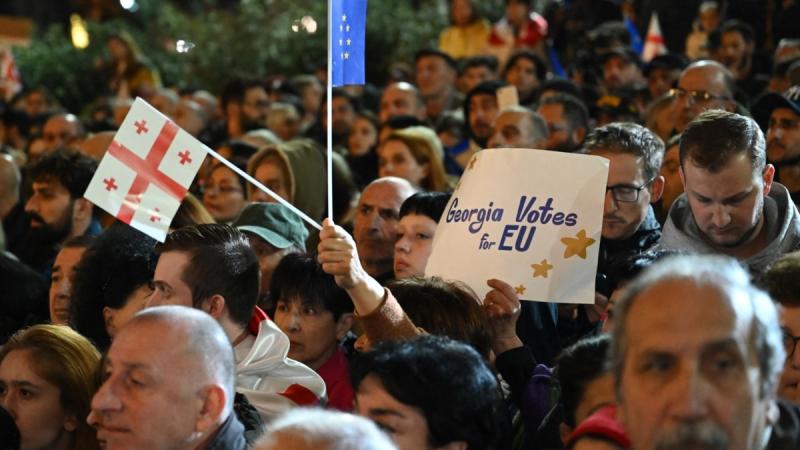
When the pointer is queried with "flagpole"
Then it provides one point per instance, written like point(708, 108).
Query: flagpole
point(329, 111)
point(277, 197)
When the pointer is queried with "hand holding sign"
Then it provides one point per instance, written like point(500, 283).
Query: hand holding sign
point(532, 218)
point(503, 308)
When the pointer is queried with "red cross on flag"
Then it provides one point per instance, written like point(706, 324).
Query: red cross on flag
point(146, 171)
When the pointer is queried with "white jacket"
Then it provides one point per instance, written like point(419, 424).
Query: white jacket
point(272, 382)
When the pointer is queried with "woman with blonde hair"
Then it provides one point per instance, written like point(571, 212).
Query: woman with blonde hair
point(415, 154)
point(271, 167)
point(47, 379)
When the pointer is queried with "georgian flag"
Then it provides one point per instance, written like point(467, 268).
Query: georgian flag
point(146, 171)
point(654, 41)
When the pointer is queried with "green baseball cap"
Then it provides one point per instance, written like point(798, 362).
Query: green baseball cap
point(274, 223)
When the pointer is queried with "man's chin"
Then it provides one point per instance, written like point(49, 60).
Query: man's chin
point(46, 234)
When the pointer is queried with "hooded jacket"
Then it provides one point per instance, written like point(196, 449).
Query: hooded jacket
point(782, 225)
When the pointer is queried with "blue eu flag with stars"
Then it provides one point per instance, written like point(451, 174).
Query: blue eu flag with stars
point(349, 23)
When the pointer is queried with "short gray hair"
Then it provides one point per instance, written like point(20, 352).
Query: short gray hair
point(724, 274)
point(206, 343)
point(320, 429)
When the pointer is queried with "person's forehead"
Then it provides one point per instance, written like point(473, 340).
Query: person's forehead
point(483, 99)
point(784, 113)
point(552, 111)
point(733, 36)
point(514, 119)
point(382, 195)
point(417, 220)
point(667, 314)
point(623, 165)
point(735, 175)
point(69, 256)
point(221, 173)
point(255, 91)
point(704, 78)
point(151, 345)
point(432, 61)
point(49, 182)
point(170, 265)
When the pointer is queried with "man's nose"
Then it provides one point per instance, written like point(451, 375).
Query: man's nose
point(610, 204)
point(720, 216)
point(105, 399)
point(689, 392)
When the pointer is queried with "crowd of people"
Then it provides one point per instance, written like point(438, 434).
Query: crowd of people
point(248, 328)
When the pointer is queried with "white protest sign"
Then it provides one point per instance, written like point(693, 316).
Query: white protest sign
point(531, 218)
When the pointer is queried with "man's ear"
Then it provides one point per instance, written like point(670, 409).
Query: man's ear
point(81, 209)
point(108, 318)
point(656, 189)
point(343, 325)
point(214, 306)
point(213, 399)
point(768, 177)
point(564, 431)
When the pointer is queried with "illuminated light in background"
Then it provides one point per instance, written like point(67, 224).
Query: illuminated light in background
point(129, 5)
point(306, 23)
point(77, 30)
point(182, 46)
point(309, 24)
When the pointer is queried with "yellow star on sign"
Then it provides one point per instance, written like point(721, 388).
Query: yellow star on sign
point(577, 245)
point(520, 289)
point(541, 269)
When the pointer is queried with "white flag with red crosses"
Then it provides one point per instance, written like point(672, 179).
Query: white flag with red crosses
point(146, 171)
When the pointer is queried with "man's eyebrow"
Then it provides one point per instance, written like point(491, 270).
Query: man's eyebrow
point(738, 196)
point(725, 344)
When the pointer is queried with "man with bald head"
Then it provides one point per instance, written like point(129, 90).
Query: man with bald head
point(319, 429)
point(168, 384)
point(518, 127)
point(375, 225)
point(705, 374)
point(401, 99)
point(62, 130)
point(703, 85)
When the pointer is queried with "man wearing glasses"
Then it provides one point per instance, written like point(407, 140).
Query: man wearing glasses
point(703, 85)
point(634, 154)
point(782, 281)
point(731, 204)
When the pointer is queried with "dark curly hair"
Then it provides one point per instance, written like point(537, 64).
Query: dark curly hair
point(72, 169)
point(447, 381)
point(119, 261)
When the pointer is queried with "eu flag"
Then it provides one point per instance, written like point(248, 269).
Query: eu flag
point(349, 23)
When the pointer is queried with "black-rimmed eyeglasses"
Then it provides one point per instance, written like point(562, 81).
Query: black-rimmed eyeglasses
point(789, 343)
point(625, 193)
